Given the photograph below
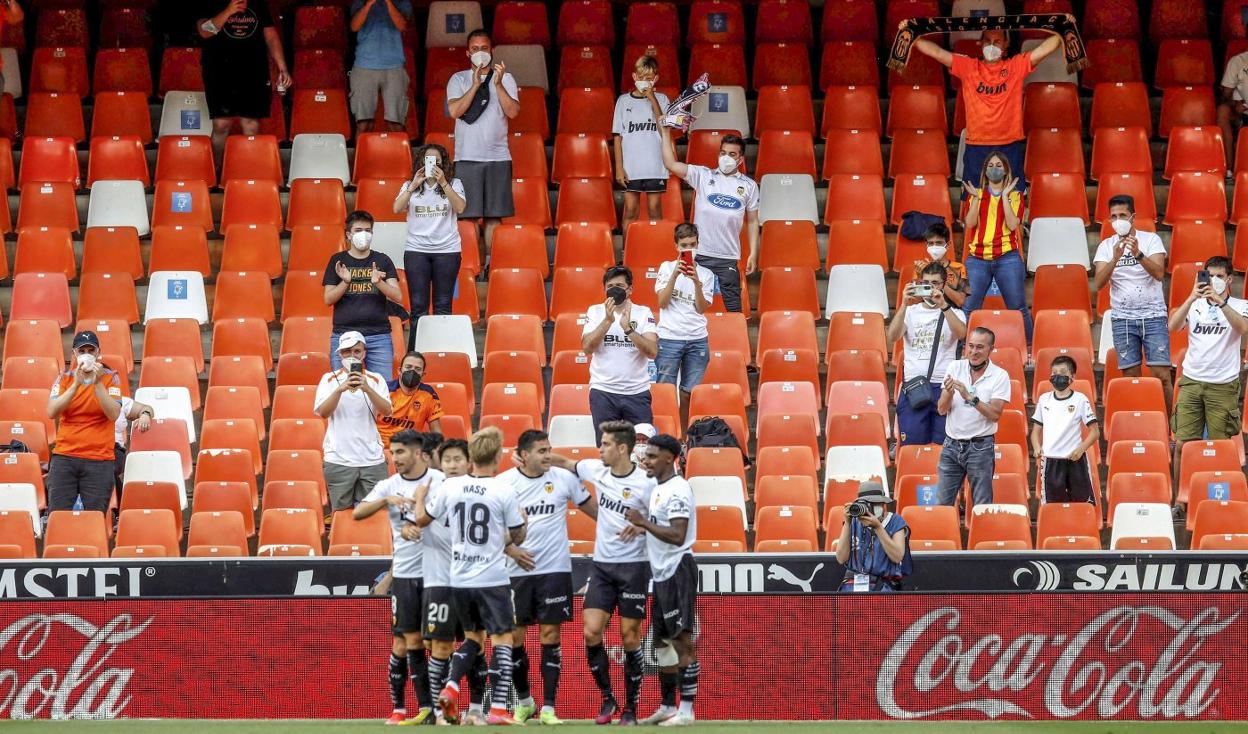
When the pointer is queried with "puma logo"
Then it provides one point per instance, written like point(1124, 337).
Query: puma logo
point(780, 573)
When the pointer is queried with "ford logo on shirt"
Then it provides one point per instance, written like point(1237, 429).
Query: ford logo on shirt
point(724, 201)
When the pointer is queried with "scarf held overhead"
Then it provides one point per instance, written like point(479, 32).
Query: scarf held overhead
point(1062, 25)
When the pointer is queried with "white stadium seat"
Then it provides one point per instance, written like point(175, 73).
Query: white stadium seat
point(119, 204)
point(787, 196)
point(319, 156)
point(859, 463)
point(856, 288)
point(450, 23)
point(185, 113)
point(722, 108)
point(169, 402)
point(176, 294)
point(571, 431)
point(722, 491)
point(156, 466)
point(449, 334)
point(527, 63)
point(1142, 520)
point(1057, 241)
point(22, 498)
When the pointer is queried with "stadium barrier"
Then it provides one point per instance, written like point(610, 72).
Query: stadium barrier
point(1172, 656)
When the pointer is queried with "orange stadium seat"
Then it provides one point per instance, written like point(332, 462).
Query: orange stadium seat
point(786, 522)
point(34, 338)
point(857, 196)
point(45, 250)
point(296, 434)
point(320, 111)
point(1196, 195)
point(783, 108)
point(321, 67)
point(291, 495)
point(582, 244)
point(652, 22)
point(993, 526)
point(17, 533)
point(933, 522)
point(514, 399)
point(518, 291)
point(1111, 19)
point(581, 200)
point(251, 157)
point(47, 205)
point(1186, 106)
point(29, 372)
point(78, 528)
point(580, 155)
point(1177, 19)
point(154, 496)
point(523, 23)
point(298, 528)
point(851, 107)
point(243, 295)
point(180, 69)
point(117, 158)
point(781, 64)
point(382, 155)
point(785, 330)
point(294, 401)
point(1057, 195)
point(320, 27)
point(252, 247)
point(154, 527)
point(528, 156)
point(779, 429)
point(1112, 60)
point(242, 337)
point(532, 203)
point(173, 337)
point(112, 250)
point(182, 202)
point(584, 67)
point(785, 151)
point(720, 522)
point(171, 371)
point(50, 159)
point(1214, 486)
point(1196, 148)
point(104, 296)
point(788, 289)
point(533, 117)
point(589, 21)
point(217, 533)
point(41, 296)
point(250, 201)
point(849, 63)
point(1120, 150)
point(1051, 105)
point(1204, 456)
point(1184, 62)
point(713, 21)
point(53, 114)
point(367, 537)
point(1121, 104)
point(1137, 185)
point(302, 369)
point(185, 158)
point(848, 152)
point(1054, 150)
point(1218, 518)
point(917, 108)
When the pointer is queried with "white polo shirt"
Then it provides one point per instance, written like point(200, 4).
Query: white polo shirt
point(719, 206)
point(964, 420)
point(1213, 347)
point(617, 365)
point(351, 437)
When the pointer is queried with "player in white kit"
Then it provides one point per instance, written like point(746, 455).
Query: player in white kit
point(485, 518)
point(671, 527)
point(620, 574)
point(541, 567)
point(395, 493)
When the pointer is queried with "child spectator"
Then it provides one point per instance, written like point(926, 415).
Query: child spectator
point(1062, 456)
point(638, 153)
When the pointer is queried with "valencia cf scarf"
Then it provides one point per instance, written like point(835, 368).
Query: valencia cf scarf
point(1060, 24)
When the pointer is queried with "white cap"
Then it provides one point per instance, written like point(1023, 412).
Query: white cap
point(645, 429)
point(349, 339)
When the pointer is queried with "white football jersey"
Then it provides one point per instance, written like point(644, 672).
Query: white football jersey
point(617, 495)
point(544, 500)
point(670, 500)
point(480, 512)
point(436, 538)
point(408, 554)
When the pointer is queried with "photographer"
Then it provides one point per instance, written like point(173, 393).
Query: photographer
point(875, 544)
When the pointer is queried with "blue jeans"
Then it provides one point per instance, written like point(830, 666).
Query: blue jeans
point(923, 426)
point(379, 358)
point(1141, 341)
point(686, 359)
point(1011, 275)
point(973, 459)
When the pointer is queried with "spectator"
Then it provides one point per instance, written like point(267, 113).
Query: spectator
point(414, 405)
point(637, 144)
point(1057, 439)
point(350, 398)
point(359, 284)
point(10, 14)
point(685, 291)
point(994, 239)
point(1133, 263)
point(620, 338)
point(927, 353)
point(238, 43)
point(956, 286)
point(85, 402)
point(481, 100)
point(379, 62)
point(433, 200)
point(993, 94)
point(723, 199)
point(141, 415)
point(974, 395)
point(874, 547)
point(1232, 108)
point(1208, 401)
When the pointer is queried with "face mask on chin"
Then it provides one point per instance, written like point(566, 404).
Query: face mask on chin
point(727, 164)
point(361, 240)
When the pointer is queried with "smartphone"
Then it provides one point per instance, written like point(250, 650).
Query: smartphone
point(686, 258)
point(1202, 277)
point(357, 367)
point(431, 162)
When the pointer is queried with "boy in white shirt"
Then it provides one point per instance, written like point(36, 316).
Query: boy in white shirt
point(638, 156)
point(1057, 427)
point(685, 291)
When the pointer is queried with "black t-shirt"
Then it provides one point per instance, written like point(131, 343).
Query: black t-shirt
point(239, 49)
point(363, 307)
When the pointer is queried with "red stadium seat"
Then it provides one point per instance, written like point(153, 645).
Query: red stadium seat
point(856, 196)
point(1195, 149)
point(580, 155)
point(785, 151)
point(49, 159)
point(1057, 195)
point(41, 296)
point(321, 26)
point(580, 200)
point(1177, 19)
point(123, 69)
point(716, 21)
point(781, 64)
point(1184, 62)
point(1121, 104)
point(585, 67)
point(851, 108)
point(586, 110)
point(1196, 196)
point(1186, 106)
point(917, 107)
point(726, 61)
point(1112, 60)
point(786, 108)
point(180, 69)
point(117, 158)
point(63, 26)
point(587, 22)
point(60, 69)
point(1120, 150)
point(53, 114)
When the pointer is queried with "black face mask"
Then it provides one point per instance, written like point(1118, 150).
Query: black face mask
point(410, 378)
point(617, 294)
point(1060, 382)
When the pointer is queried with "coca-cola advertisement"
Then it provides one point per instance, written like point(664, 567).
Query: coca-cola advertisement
point(800, 657)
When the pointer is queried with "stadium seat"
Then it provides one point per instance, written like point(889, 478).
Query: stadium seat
point(185, 158)
point(1214, 486)
point(17, 534)
point(54, 114)
point(370, 536)
point(1058, 195)
point(856, 289)
point(726, 60)
point(35, 372)
point(1195, 149)
point(585, 67)
point(849, 152)
point(45, 205)
point(176, 295)
point(1120, 150)
point(1142, 520)
point(1054, 150)
point(382, 155)
point(1204, 456)
point(933, 523)
point(148, 495)
point(1137, 185)
point(251, 157)
point(79, 528)
point(586, 22)
point(250, 201)
point(1184, 62)
point(120, 159)
point(1121, 104)
point(45, 250)
point(721, 522)
point(999, 522)
point(859, 242)
point(242, 295)
point(217, 534)
point(242, 337)
point(917, 107)
point(320, 27)
point(1112, 60)
point(788, 289)
point(49, 159)
point(580, 155)
point(851, 107)
point(320, 111)
point(171, 371)
point(781, 64)
point(786, 522)
point(147, 527)
point(1064, 519)
point(1195, 195)
point(300, 528)
point(182, 202)
point(580, 200)
point(321, 155)
point(121, 69)
point(1185, 106)
point(118, 204)
point(532, 202)
point(1056, 327)
point(38, 296)
point(34, 338)
point(917, 152)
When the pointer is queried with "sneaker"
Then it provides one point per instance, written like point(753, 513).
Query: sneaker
point(500, 717)
point(679, 720)
point(475, 718)
point(658, 717)
point(423, 717)
point(396, 718)
point(523, 713)
point(548, 718)
point(448, 699)
point(628, 718)
point(607, 711)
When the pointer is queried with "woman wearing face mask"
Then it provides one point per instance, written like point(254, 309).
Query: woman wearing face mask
point(994, 239)
point(874, 546)
point(433, 200)
point(359, 283)
point(415, 404)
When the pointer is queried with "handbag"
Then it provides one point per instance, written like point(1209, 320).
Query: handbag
point(916, 389)
point(480, 100)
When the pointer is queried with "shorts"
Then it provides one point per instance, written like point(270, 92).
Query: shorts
point(232, 97)
point(487, 608)
point(405, 605)
point(487, 189)
point(685, 359)
point(436, 620)
point(1139, 341)
point(348, 485)
point(544, 598)
point(676, 601)
point(1063, 480)
point(646, 185)
point(618, 585)
point(391, 83)
point(1203, 409)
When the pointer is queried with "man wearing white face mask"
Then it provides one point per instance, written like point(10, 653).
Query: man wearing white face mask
point(359, 284)
point(351, 397)
point(1133, 263)
point(992, 89)
point(1208, 401)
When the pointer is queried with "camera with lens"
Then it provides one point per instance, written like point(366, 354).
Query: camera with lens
point(858, 509)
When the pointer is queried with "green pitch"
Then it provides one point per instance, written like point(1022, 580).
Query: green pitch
point(710, 727)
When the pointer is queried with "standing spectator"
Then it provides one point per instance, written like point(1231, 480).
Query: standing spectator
point(927, 355)
point(379, 62)
point(10, 14)
point(974, 395)
point(238, 43)
point(637, 144)
point(685, 291)
point(359, 283)
point(994, 239)
point(1208, 400)
point(414, 405)
point(723, 199)
point(481, 100)
point(85, 401)
point(433, 200)
point(1233, 103)
point(1057, 440)
point(993, 94)
point(1133, 263)
point(620, 338)
point(141, 415)
point(351, 397)
point(956, 285)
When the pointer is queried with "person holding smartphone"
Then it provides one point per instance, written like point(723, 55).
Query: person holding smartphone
point(685, 291)
point(620, 338)
point(433, 200)
point(350, 398)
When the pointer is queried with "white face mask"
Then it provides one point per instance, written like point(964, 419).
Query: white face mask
point(936, 252)
point(642, 84)
point(878, 511)
point(348, 361)
point(480, 59)
point(1218, 283)
point(361, 240)
point(992, 53)
point(727, 164)
point(86, 361)
point(1122, 227)
point(639, 453)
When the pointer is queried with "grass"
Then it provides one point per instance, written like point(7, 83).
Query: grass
point(238, 726)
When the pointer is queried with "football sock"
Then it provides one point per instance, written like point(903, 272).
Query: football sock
point(633, 672)
point(552, 666)
point(520, 673)
point(689, 687)
point(669, 681)
point(500, 677)
point(477, 677)
point(600, 667)
point(461, 661)
point(398, 681)
point(437, 678)
point(419, 665)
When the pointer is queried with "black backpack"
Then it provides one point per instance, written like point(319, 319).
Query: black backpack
point(14, 447)
point(713, 432)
